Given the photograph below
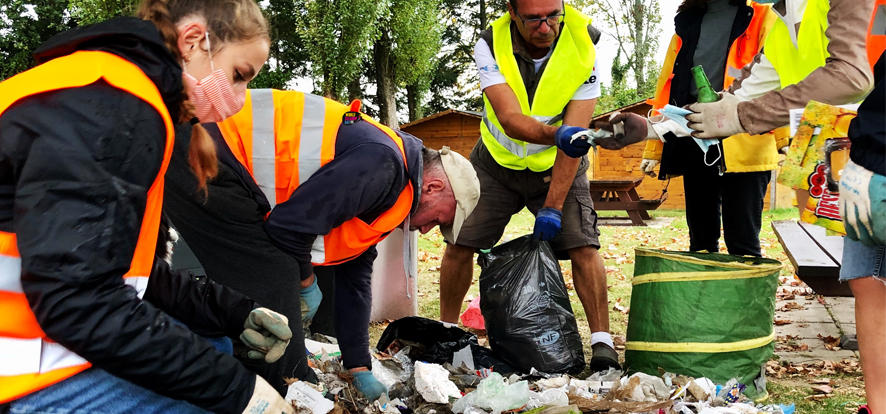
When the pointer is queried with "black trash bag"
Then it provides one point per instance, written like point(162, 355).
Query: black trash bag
point(526, 308)
point(435, 342)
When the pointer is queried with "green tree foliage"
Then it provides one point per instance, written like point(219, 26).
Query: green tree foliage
point(24, 25)
point(405, 55)
point(288, 53)
point(635, 26)
point(340, 35)
point(455, 82)
point(94, 11)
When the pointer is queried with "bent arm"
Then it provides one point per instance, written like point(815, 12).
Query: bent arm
point(578, 113)
point(80, 198)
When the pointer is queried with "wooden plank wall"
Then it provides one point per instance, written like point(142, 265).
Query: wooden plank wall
point(460, 132)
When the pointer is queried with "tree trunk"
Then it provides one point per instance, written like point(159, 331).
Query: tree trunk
point(384, 79)
point(482, 14)
point(413, 101)
point(355, 90)
point(641, 44)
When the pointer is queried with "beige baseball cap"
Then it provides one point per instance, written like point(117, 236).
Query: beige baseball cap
point(465, 188)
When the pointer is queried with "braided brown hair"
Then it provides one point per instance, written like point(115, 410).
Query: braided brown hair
point(229, 21)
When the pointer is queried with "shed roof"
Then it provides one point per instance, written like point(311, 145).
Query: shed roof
point(472, 114)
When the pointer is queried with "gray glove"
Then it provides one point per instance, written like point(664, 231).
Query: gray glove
point(267, 334)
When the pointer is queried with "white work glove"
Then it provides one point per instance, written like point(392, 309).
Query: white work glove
point(648, 166)
point(266, 400)
point(715, 119)
point(855, 201)
point(267, 334)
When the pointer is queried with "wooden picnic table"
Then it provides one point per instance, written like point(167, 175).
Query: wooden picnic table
point(815, 255)
point(621, 195)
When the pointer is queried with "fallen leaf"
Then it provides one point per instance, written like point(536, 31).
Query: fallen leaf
point(779, 322)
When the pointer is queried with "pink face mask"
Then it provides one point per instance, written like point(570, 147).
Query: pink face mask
point(213, 97)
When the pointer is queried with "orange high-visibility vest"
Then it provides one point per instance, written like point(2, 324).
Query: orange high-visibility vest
point(29, 360)
point(876, 42)
point(741, 52)
point(742, 152)
point(284, 137)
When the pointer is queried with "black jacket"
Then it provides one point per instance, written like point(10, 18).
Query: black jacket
point(75, 168)
point(867, 131)
point(682, 155)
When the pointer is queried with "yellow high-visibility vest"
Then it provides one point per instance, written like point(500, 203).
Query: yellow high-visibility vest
point(570, 65)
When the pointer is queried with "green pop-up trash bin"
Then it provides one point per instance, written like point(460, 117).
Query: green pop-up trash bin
point(702, 315)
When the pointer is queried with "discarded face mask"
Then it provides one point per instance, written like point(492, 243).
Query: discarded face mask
point(678, 115)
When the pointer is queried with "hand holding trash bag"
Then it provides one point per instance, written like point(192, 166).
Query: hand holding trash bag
point(526, 307)
point(267, 334)
point(547, 224)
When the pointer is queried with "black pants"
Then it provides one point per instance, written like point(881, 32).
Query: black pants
point(737, 197)
point(226, 233)
point(346, 305)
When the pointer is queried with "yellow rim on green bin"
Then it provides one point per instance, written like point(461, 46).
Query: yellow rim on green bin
point(698, 276)
point(705, 347)
point(697, 260)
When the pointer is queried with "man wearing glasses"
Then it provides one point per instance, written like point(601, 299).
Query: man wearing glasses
point(536, 66)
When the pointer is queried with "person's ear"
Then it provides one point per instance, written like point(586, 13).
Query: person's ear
point(512, 12)
point(433, 185)
point(190, 39)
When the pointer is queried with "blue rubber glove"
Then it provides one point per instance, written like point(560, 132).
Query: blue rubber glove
point(368, 385)
point(547, 224)
point(310, 301)
point(576, 148)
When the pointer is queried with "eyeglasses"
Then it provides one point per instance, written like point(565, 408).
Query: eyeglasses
point(535, 23)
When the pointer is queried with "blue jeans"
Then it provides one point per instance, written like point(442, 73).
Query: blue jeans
point(861, 260)
point(97, 391)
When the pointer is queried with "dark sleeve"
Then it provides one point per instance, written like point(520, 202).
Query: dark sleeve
point(366, 179)
point(595, 34)
point(208, 308)
point(80, 196)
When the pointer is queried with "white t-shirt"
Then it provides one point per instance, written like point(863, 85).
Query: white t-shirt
point(490, 74)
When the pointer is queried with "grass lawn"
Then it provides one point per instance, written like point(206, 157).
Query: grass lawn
point(617, 250)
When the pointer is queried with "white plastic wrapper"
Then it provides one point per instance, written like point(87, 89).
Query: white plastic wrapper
point(432, 382)
point(553, 397)
point(306, 397)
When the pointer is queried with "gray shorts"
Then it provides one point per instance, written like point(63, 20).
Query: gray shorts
point(504, 192)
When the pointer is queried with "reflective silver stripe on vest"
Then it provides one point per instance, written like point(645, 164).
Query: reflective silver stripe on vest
point(733, 72)
point(318, 250)
point(311, 141)
point(532, 149)
point(543, 119)
point(139, 283)
point(263, 148)
point(502, 139)
point(10, 274)
point(510, 145)
point(30, 356)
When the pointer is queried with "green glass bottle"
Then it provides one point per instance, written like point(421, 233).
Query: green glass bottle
point(705, 92)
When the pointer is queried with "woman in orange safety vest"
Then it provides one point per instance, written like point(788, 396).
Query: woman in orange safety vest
point(86, 139)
